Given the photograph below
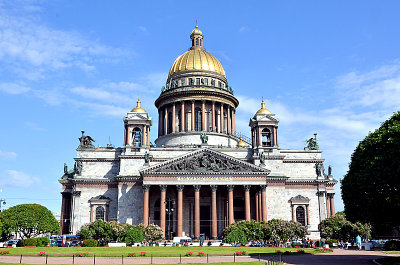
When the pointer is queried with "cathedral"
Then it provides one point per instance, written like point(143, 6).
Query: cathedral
point(200, 175)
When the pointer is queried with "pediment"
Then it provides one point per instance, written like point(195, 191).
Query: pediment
point(205, 162)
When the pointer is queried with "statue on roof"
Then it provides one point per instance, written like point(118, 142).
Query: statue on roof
point(204, 138)
point(262, 159)
point(312, 143)
point(85, 141)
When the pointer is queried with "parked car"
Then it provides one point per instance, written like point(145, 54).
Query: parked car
point(74, 243)
point(16, 242)
point(59, 243)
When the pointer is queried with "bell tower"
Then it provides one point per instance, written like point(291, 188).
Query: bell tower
point(137, 125)
point(264, 130)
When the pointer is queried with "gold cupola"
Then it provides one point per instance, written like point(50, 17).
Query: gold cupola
point(196, 58)
point(263, 109)
point(241, 143)
point(138, 108)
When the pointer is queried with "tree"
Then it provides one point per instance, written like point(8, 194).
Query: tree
point(253, 230)
point(152, 232)
point(133, 234)
point(29, 220)
point(283, 230)
point(236, 235)
point(99, 230)
point(370, 189)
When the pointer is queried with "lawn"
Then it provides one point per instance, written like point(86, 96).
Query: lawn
point(389, 261)
point(154, 251)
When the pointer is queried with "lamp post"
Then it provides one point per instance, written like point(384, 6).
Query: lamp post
point(2, 201)
point(170, 208)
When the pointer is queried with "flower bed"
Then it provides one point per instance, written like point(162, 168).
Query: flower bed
point(4, 252)
point(84, 254)
point(301, 251)
point(201, 254)
point(189, 254)
point(42, 254)
point(323, 250)
point(241, 253)
point(133, 254)
point(143, 254)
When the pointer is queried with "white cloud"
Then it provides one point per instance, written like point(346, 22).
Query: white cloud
point(142, 28)
point(13, 88)
point(13, 178)
point(33, 126)
point(7, 155)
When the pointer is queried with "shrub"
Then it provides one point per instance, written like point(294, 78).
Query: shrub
point(4, 252)
point(29, 242)
point(296, 244)
point(301, 251)
point(236, 235)
point(84, 254)
point(90, 243)
point(330, 242)
point(241, 253)
point(132, 234)
point(392, 245)
point(42, 241)
point(201, 254)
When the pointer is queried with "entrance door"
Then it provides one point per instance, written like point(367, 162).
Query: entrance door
point(205, 220)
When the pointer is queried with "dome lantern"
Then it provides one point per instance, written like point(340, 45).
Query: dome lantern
point(138, 107)
point(196, 38)
point(263, 109)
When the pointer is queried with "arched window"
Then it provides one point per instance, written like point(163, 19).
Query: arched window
point(169, 122)
point(197, 42)
point(300, 215)
point(197, 119)
point(266, 137)
point(100, 213)
point(137, 137)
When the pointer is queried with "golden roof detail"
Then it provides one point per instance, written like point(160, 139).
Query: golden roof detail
point(263, 109)
point(197, 58)
point(138, 107)
point(241, 143)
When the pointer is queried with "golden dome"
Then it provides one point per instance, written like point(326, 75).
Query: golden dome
point(197, 58)
point(138, 108)
point(263, 109)
point(241, 143)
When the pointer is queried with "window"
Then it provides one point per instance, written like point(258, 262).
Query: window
point(219, 84)
point(197, 119)
point(190, 81)
point(100, 213)
point(300, 215)
point(183, 82)
point(206, 81)
point(197, 81)
point(137, 137)
point(212, 82)
point(197, 42)
point(266, 137)
point(192, 42)
point(179, 120)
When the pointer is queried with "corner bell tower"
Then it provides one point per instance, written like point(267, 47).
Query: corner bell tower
point(137, 125)
point(264, 130)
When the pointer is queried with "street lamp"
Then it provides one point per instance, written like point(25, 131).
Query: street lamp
point(170, 207)
point(2, 201)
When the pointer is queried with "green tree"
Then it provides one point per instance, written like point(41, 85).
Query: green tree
point(252, 229)
point(152, 232)
point(370, 189)
point(283, 230)
point(133, 234)
point(236, 235)
point(29, 220)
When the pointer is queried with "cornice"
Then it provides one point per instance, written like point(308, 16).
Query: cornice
point(303, 160)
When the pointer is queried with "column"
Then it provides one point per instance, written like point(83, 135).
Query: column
point(222, 118)
point(259, 137)
point(125, 135)
point(144, 135)
point(276, 132)
point(308, 214)
point(163, 189)
point(328, 207)
point(231, 217)
point(146, 190)
point(213, 116)
point(293, 214)
point(129, 142)
point(192, 115)
point(228, 111)
point(179, 210)
point(148, 135)
point(165, 121)
point(159, 123)
point(233, 122)
point(260, 217)
point(332, 204)
point(264, 202)
point(183, 116)
point(247, 202)
point(173, 118)
point(214, 227)
point(203, 115)
point(226, 210)
point(196, 219)
point(256, 199)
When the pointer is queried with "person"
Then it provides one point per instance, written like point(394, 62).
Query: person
point(358, 242)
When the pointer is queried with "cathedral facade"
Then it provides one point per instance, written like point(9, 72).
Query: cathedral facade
point(200, 175)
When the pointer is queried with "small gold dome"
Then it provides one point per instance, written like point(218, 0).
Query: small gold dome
point(138, 108)
point(263, 109)
point(197, 31)
point(241, 143)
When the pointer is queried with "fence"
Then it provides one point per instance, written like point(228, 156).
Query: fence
point(275, 259)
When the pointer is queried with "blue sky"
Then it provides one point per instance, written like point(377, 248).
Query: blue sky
point(331, 67)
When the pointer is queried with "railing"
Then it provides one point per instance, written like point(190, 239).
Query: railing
point(245, 139)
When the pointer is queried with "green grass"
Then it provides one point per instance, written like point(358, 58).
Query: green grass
point(389, 261)
point(155, 251)
point(392, 252)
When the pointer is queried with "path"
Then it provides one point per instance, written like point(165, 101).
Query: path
point(339, 256)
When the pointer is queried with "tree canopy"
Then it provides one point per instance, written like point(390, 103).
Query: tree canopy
point(29, 220)
point(371, 187)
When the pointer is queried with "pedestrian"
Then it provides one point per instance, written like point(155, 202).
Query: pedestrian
point(358, 242)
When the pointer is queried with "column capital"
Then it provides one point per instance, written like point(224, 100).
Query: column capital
point(230, 187)
point(330, 194)
point(213, 102)
point(146, 187)
point(180, 187)
point(263, 187)
point(197, 187)
point(163, 187)
point(247, 187)
point(214, 187)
